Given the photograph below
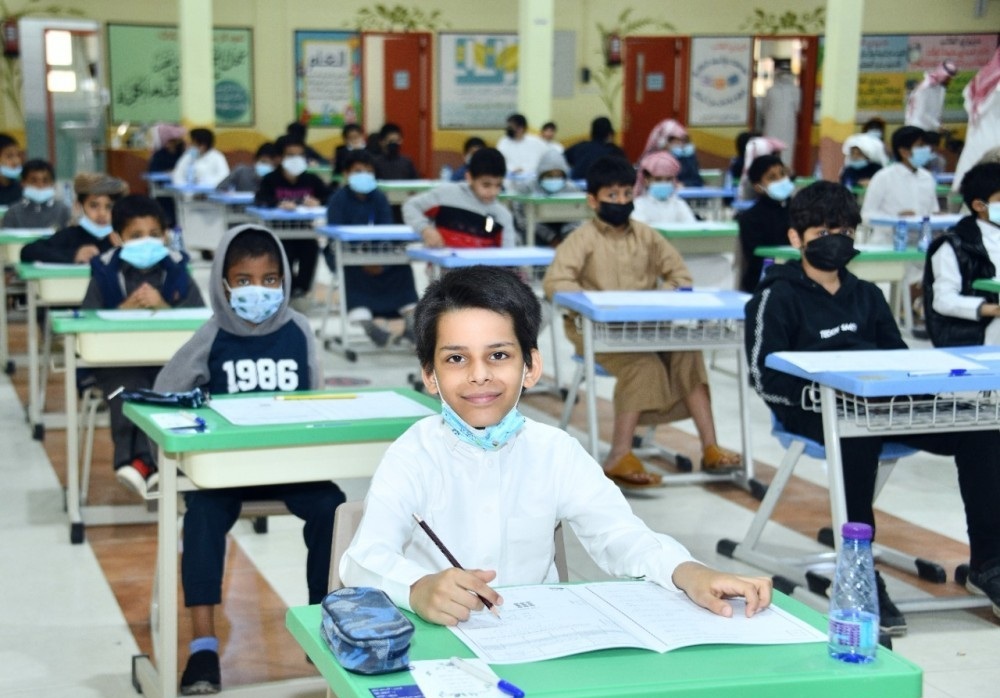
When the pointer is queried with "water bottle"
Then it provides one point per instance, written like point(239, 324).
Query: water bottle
point(445, 173)
point(767, 264)
point(926, 235)
point(854, 599)
point(177, 240)
point(900, 236)
point(727, 180)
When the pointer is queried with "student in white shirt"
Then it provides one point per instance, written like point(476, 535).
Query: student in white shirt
point(926, 102)
point(520, 149)
point(201, 163)
point(492, 484)
point(656, 187)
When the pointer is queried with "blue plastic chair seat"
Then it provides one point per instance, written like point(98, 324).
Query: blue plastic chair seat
point(890, 449)
point(598, 369)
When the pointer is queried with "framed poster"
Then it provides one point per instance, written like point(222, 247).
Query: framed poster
point(721, 70)
point(327, 78)
point(144, 74)
point(477, 80)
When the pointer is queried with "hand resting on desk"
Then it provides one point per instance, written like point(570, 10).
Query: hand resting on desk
point(448, 597)
point(146, 296)
point(710, 588)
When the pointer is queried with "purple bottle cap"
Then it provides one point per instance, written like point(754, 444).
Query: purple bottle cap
point(856, 531)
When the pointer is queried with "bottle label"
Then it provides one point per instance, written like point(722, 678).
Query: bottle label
point(854, 629)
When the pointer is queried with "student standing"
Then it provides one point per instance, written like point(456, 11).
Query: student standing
point(926, 102)
point(201, 164)
point(38, 208)
point(779, 109)
point(982, 104)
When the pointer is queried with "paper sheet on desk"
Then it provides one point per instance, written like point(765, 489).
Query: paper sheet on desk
point(378, 404)
point(680, 299)
point(58, 265)
point(171, 314)
point(548, 621)
point(439, 678)
point(878, 360)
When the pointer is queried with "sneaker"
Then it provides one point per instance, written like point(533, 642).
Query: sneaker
point(201, 676)
point(138, 476)
point(379, 335)
point(986, 583)
point(890, 619)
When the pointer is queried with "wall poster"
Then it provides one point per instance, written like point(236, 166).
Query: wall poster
point(328, 78)
point(477, 80)
point(721, 70)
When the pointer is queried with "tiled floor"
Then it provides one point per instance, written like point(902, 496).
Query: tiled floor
point(73, 616)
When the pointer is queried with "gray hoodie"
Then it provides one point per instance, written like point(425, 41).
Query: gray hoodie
point(190, 366)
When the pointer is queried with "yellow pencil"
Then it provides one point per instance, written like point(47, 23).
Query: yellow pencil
point(320, 396)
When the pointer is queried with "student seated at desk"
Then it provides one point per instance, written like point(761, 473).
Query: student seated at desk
point(466, 214)
point(864, 155)
point(670, 136)
point(903, 188)
point(254, 342)
point(390, 163)
point(38, 208)
point(138, 273)
point(354, 140)
point(614, 253)
point(494, 484)
point(552, 178)
point(957, 314)
point(372, 291)
point(247, 177)
point(10, 171)
point(766, 222)
point(471, 145)
point(817, 305)
point(656, 199)
point(78, 244)
point(201, 163)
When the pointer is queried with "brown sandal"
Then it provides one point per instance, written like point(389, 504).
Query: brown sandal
point(629, 473)
point(717, 459)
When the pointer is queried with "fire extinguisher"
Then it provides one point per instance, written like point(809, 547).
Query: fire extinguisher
point(11, 45)
point(613, 50)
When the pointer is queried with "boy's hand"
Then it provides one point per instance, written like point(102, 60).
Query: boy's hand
point(85, 254)
point(144, 297)
point(710, 588)
point(431, 236)
point(310, 201)
point(446, 598)
point(287, 205)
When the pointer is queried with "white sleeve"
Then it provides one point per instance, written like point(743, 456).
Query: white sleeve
point(180, 173)
point(948, 298)
point(874, 193)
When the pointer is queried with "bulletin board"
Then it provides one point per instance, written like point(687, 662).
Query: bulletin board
point(144, 74)
point(328, 78)
point(477, 80)
point(721, 70)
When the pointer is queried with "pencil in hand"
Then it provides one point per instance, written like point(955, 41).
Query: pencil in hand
point(451, 558)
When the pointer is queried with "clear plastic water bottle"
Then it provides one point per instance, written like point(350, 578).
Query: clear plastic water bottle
point(900, 236)
point(926, 234)
point(446, 173)
point(854, 599)
point(727, 180)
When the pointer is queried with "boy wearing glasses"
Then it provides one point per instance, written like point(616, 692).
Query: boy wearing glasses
point(817, 305)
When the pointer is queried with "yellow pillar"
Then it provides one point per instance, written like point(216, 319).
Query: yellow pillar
point(534, 60)
point(197, 63)
point(842, 52)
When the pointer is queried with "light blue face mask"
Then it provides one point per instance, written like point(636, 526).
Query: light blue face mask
point(255, 303)
point(552, 185)
point(491, 438)
point(98, 231)
point(39, 195)
point(661, 191)
point(683, 151)
point(362, 182)
point(920, 155)
point(780, 190)
point(263, 169)
point(142, 253)
point(857, 164)
point(993, 212)
point(11, 172)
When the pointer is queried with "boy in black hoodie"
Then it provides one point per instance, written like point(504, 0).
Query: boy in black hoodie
point(817, 305)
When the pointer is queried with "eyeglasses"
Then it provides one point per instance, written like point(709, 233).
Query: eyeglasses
point(849, 232)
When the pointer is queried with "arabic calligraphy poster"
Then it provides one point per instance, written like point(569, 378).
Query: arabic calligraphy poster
point(144, 74)
point(720, 81)
point(327, 78)
point(477, 80)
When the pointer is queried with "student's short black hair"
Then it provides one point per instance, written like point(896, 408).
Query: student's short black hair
point(489, 288)
point(7, 141)
point(349, 129)
point(980, 183)
point(202, 136)
point(905, 137)
point(297, 130)
point(876, 122)
point(932, 138)
point(609, 171)
point(760, 165)
point(487, 162)
point(601, 129)
point(252, 243)
point(353, 157)
point(550, 124)
point(37, 165)
point(133, 206)
point(518, 120)
point(266, 150)
point(281, 143)
point(472, 142)
point(742, 139)
point(388, 129)
point(823, 203)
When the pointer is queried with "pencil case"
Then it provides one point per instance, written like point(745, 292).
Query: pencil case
point(365, 631)
point(191, 398)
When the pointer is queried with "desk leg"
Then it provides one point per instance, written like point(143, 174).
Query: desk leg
point(166, 659)
point(5, 363)
point(34, 412)
point(590, 372)
point(76, 530)
point(342, 296)
point(741, 376)
point(530, 221)
point(834, 461)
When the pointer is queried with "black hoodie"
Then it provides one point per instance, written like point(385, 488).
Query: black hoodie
point(791, 312)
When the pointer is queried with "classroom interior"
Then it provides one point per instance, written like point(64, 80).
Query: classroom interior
point(75, 615)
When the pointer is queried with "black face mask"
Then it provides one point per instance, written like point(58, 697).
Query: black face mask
point(614, 214)
point(830, 252)
point(392, 150)
point(510, 132)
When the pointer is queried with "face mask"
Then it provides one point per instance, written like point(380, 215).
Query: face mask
point(263, 169)
point(294, 165)
point(392, 150)
point(920, 155)
point(510, 132)
point(255, 303)
point(98, 231)
point(143, 253)
point(11, 172)
point(362, 182)
point(40, 195)
point(615, 214)
point(491, 438)
point(661, 191)
point(552, 184)
point(830, 252)
point(683, 151)
point(875, 134)
point(780, 190)
point(993, 211)
point(857, 164)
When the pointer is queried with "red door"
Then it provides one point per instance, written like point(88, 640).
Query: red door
point(406, 83)
point(655, 86)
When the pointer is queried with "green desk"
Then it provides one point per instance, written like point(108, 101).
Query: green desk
point(93, 341)
point(701, 237)
point(234, 456)
point(715, 671)
point(543, 208)
point(48, 285)
point(11, 242)
point(399, 190)
point(987, 285)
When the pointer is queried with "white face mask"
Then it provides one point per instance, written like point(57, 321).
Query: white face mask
point(993, 211)
point(294, 164)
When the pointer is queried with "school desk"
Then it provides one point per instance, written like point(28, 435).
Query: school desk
point(549, 208)
point(876, 263)
point(48, 285)
point(157, 182)
point(857, 402)
point(987, 285)
point(719, 671)
point(708, 201)
point(201, 221)
point(298, 224)
point(645, 321)
point(234, 204)
point(362, 245)
point(236, 456)
point(700, 237)
point(11, 242)
point(92, 340)
point(399, 190)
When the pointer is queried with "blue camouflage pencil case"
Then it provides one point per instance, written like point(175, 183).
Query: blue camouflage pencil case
point(365, 630)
